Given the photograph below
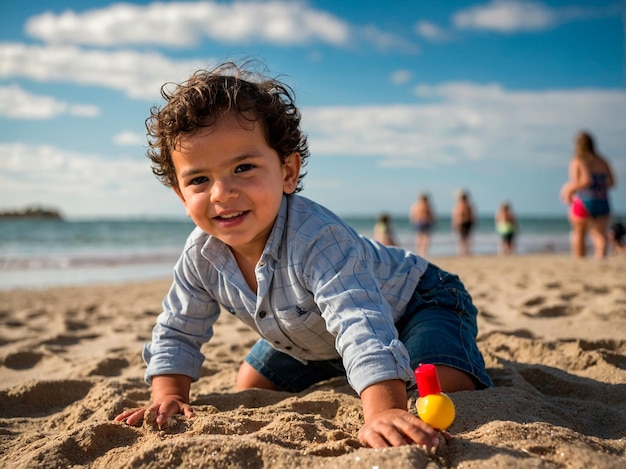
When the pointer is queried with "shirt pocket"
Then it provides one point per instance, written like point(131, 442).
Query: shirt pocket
point(307, 329)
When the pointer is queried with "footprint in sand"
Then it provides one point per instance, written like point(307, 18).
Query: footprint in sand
point(14, 323)
point(22, 360)
point(490, 318)
point(72, 325)
point(41, 398)
point(37, 313)
point(151, 313)
point(84, 446)
point(555, 311)
point(539, 300)
point(611, 351)
point(109, 367)
point(522, 333)
point(596, 290)
point(65, 340)
point(206, 371)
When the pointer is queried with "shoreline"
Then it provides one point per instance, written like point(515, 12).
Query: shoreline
point(87, 270)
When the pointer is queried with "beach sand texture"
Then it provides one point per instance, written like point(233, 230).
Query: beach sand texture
point(552, 330)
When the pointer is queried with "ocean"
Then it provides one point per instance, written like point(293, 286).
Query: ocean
point(43, 253)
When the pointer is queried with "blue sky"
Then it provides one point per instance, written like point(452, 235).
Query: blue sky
point(397, 97)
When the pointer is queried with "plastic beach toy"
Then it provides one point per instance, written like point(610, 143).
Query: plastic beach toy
point(433, 406)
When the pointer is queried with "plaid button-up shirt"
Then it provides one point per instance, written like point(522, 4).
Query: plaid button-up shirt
point(323, 292)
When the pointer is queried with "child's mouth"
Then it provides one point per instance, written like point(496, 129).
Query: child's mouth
point(230, 217)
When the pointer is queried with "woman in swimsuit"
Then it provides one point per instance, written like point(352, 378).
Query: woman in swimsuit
point(586, 193)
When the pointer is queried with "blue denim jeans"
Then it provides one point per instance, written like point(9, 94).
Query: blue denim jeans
point(438, 327)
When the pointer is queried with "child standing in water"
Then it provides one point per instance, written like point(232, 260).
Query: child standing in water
point(506, 227)
point(383, 232)
point(326, 301)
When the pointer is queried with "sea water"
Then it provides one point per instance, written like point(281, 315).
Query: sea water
point(42, 253)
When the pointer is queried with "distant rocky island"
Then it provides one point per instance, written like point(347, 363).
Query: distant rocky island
point(32, 213)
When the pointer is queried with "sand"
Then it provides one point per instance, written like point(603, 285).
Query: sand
point(552, 330)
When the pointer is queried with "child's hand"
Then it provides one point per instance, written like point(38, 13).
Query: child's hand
point(163, 410)
point(397, 427)
point(170, 395)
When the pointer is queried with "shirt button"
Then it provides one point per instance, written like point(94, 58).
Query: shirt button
point(262, 314)
point(261, 263)
point(288, 347)
point(277, 342)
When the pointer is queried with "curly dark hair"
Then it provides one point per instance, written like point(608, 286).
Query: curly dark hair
point(204, 99)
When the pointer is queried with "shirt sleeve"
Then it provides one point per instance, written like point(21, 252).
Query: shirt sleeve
point(185, 324)
point(355, 310)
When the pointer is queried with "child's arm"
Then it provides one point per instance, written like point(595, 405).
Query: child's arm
point(170, 395)
point(387, 421)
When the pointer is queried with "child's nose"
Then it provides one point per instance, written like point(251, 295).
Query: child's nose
point(222, 191)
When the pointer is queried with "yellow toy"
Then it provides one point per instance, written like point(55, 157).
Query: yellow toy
point(433, 407)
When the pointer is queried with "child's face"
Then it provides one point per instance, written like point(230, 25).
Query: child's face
point(231, 183)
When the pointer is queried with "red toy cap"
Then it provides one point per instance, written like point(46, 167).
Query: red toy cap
point(427, 380)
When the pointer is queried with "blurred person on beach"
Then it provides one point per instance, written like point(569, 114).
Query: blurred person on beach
point(422, 217)
point(325, 301)
point(383, 231)
point(506, 227)
point(617, 238)
point(586, 193)
point(463, 222)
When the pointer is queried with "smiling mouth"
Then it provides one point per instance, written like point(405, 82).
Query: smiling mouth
point(229, 216)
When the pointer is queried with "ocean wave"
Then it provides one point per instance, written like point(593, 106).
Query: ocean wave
point(69, 261)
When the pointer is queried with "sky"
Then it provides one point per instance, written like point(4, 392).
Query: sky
point(397, 98)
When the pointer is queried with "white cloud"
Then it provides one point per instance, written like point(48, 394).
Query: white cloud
point(508, 16)
point(17, 103)
point(84, 110)
point(431, 31)
point(139, 75)
point(80, 184)
point(384, 41)
point(460, 122)
point(49, 164)
point(401, 77)
point(130, 139)
point(186, 23)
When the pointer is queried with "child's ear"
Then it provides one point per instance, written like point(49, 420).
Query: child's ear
point(291, 172)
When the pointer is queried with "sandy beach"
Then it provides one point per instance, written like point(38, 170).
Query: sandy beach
point(552, 330)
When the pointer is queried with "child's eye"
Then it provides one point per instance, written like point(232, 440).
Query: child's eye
point(198, 180)
point(242, 168)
